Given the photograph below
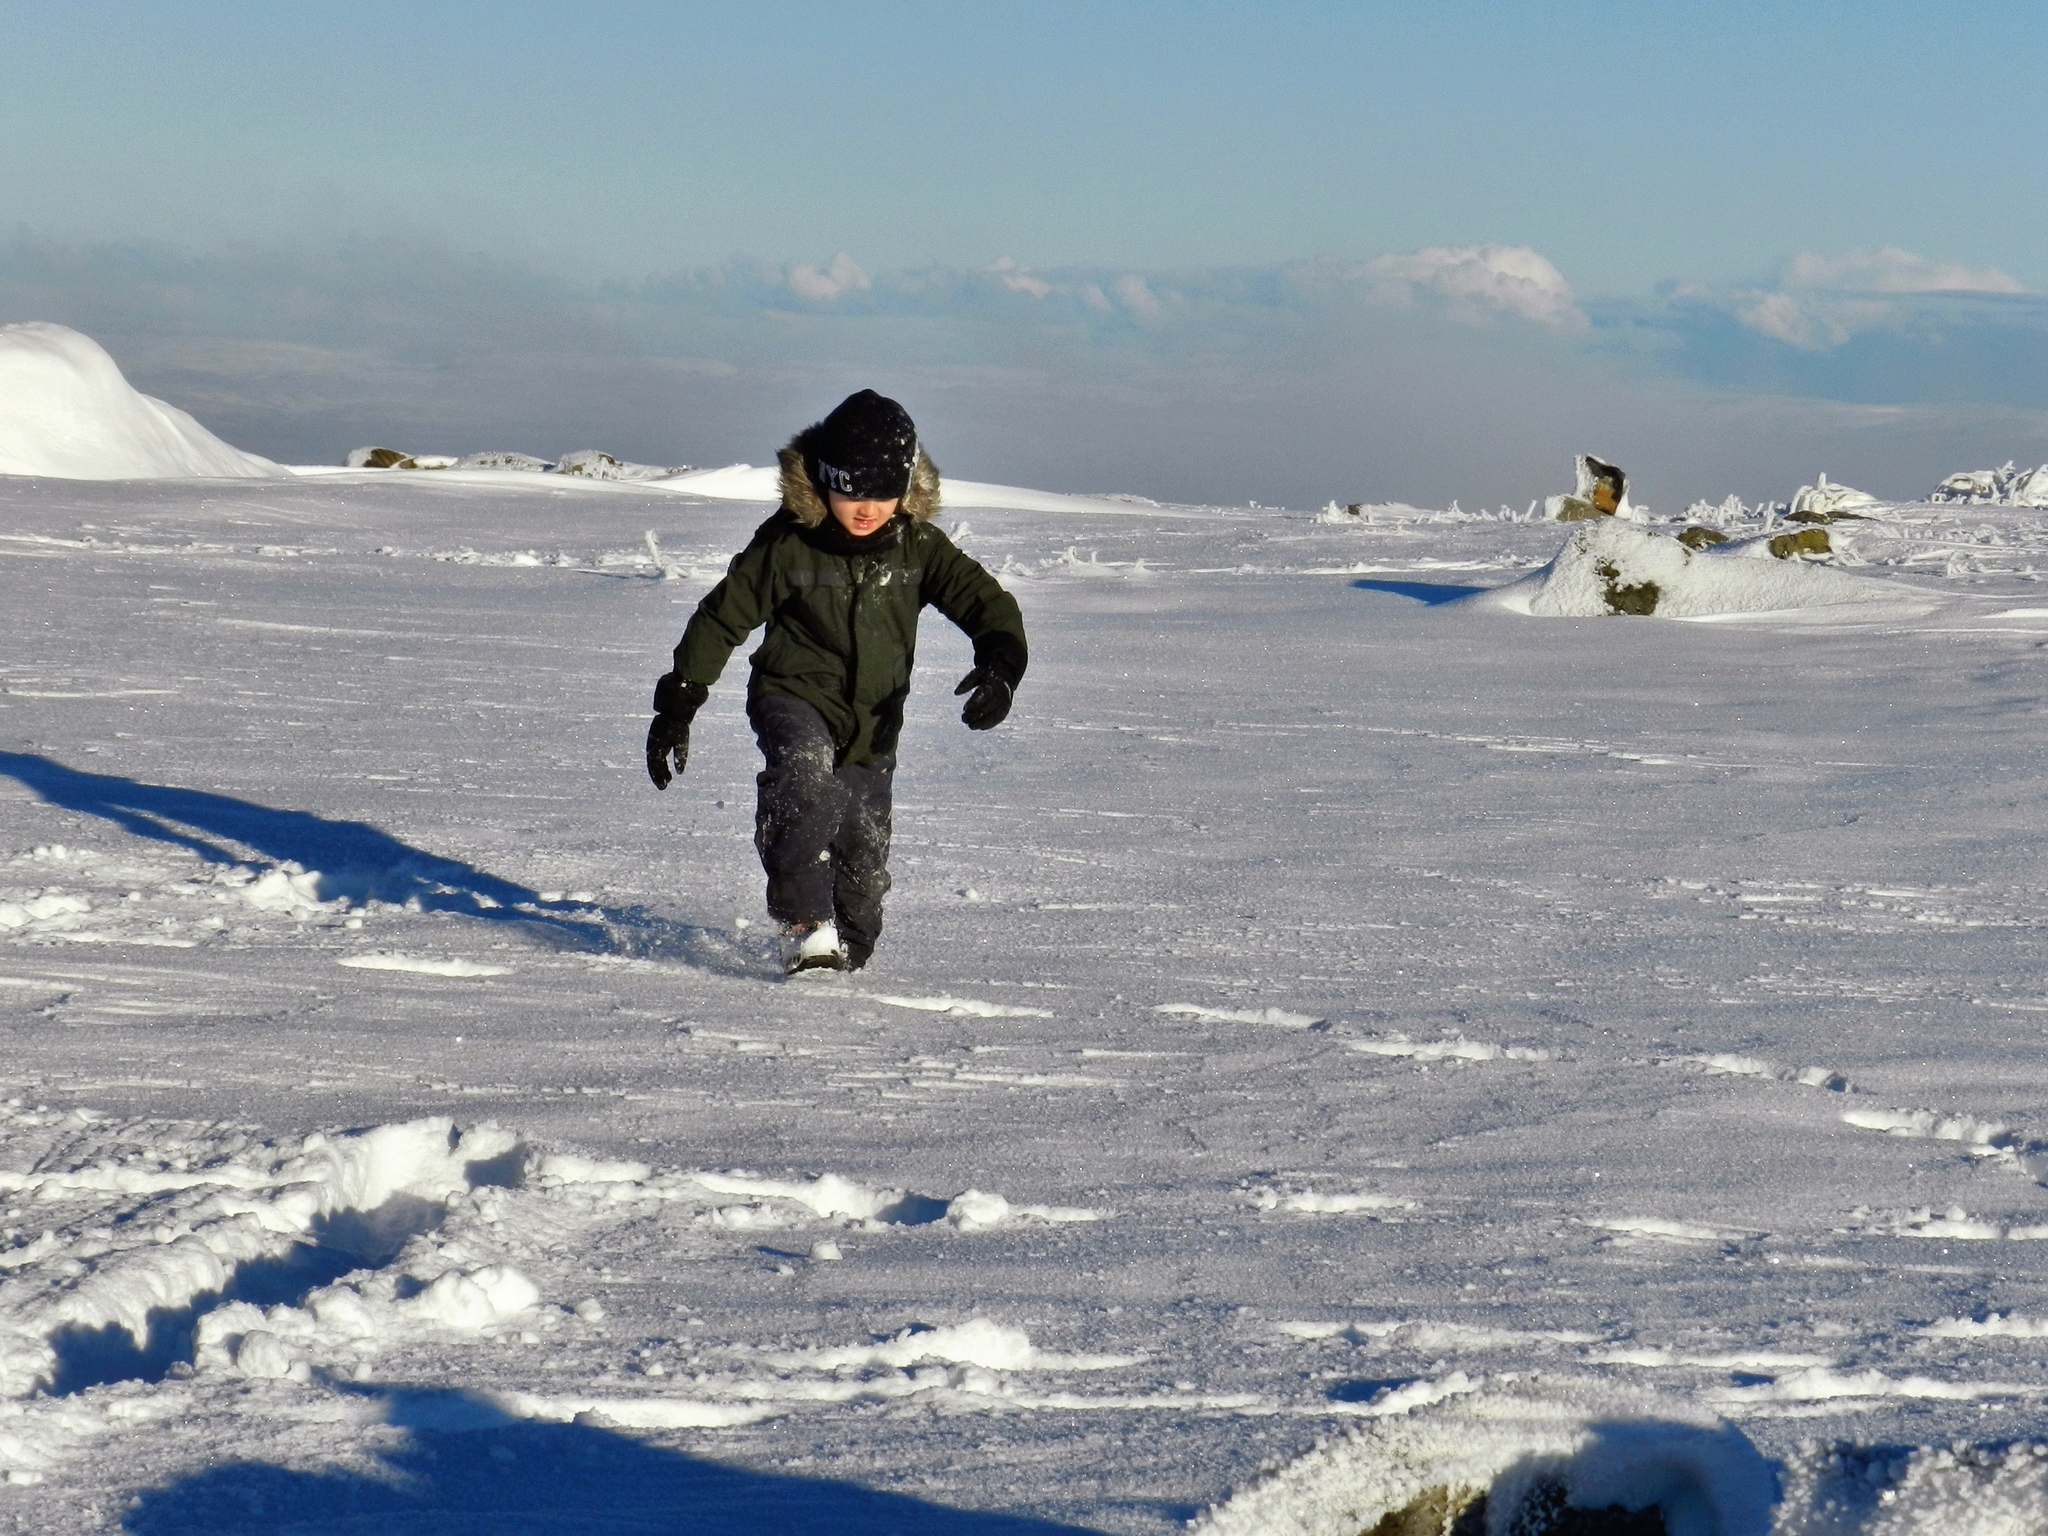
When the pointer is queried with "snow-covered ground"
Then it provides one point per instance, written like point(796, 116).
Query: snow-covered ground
point(1331, 1013)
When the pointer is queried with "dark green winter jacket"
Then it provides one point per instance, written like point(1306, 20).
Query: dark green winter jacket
point(842, 614)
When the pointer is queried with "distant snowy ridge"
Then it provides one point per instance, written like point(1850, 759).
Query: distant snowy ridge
point(745, 482)
point(67, 413)
point(734, 482)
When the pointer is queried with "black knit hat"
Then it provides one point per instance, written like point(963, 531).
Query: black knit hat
point(865, 448)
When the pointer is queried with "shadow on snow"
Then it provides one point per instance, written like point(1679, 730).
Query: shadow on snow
point(1430, 592)
point(467, 1469)
point(356, 860)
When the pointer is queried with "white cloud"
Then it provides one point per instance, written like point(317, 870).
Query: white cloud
point(821, 285)
point(1477, 283)
point(1891, 270)
point(1133, 293)
point(1811, 307)
point(1809, 323)
point(1006, 271)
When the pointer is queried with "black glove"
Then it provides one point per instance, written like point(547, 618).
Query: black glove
point(991, 701)
point(999, 662)
point(676, 703)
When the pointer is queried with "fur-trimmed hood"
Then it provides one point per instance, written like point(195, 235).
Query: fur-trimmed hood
point(806, 502)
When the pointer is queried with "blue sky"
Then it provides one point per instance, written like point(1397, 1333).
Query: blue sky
point(550, 219)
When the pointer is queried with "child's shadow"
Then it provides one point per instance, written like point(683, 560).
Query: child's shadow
point(467, 1469)
point(363, 863)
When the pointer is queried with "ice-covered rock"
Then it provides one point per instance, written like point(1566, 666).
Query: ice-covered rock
point(1516, 1457)
point(592, 465)
point(1823, 500)
point(391, 458)
point(2004, 486)
point(504, 459)
point(67, 412)
point(378, 458)
point(1617, 568)
point(1601, 491)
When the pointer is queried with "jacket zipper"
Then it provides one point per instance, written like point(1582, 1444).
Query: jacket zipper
point(860, 569)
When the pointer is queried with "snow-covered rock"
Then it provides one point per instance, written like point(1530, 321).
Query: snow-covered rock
point(1528, 1450)
point(504, 459)
point(67, 412)
point(1829, 500)
point(1601, 490)
point(2004, 486)
point(1608, 567)
point(592, 465)
point(392, 458)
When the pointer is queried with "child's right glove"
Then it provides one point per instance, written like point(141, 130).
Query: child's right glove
point(676, 703)
point(999, 662)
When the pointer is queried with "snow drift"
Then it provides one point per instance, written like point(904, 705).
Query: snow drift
point(1611, 567)
point(66, 412)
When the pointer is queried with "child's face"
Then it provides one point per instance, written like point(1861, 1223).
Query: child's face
point(861, 517)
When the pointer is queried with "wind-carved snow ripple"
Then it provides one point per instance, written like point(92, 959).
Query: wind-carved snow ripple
point(1991, 1141)
point(1454, 1048)
point(979, 1365)
point(767, 1204)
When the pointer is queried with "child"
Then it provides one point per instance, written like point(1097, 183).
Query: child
point(839, 575)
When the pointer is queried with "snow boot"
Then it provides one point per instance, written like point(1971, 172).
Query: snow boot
point(811, 947)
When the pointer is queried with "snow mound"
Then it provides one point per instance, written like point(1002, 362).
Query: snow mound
point(67, 413)
point(1529, 1451)
point(1611, 567)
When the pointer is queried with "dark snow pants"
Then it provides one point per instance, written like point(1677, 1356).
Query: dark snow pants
point(822, 832)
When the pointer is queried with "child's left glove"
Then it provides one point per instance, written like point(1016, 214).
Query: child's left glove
point(999, 662)
point(676, 703)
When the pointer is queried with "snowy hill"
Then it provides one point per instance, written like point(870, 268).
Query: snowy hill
point(67, 413)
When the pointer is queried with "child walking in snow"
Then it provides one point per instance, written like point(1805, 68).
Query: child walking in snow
point(839, 575)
